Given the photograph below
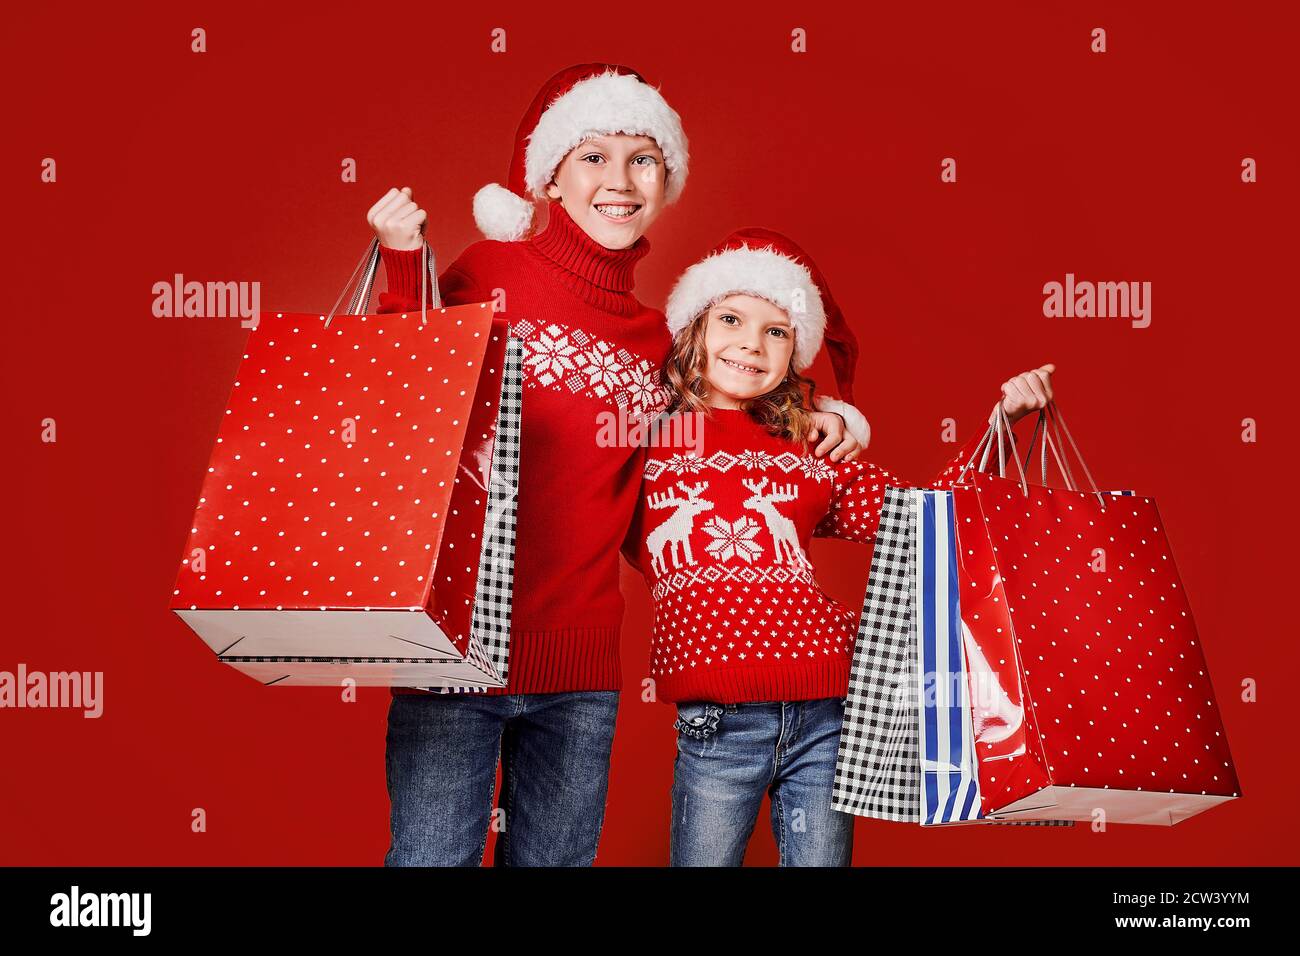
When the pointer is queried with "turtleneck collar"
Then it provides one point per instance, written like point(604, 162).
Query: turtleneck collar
point(601, 276)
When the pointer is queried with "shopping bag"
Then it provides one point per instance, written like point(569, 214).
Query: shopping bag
point(949, 784)
point(879, 771)
point(494, 593)
point(344, 529)
point(1090, 692)
point(876, 767)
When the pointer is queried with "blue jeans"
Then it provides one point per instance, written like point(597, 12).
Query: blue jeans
point(441, 765)
point(729, 755)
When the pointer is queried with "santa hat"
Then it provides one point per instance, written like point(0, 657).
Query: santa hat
point(580, 102)
point(766, 264)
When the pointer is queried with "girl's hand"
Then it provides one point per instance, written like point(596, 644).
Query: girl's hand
point(1027, 392)
point(845, 446)
point(397, 220)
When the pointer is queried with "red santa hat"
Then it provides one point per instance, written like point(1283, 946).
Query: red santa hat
point(591, 99)
point(766, 264)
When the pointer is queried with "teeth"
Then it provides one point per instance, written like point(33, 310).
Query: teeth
point(618, 212)
point(743, 368)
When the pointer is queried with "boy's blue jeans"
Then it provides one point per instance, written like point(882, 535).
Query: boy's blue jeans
point(729, 755)
point(441, 765)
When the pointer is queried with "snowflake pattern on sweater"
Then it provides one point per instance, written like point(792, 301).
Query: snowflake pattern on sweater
point(723, 539)
point(574, 362)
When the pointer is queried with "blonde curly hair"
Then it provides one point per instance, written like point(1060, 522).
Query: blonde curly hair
point(784, 411)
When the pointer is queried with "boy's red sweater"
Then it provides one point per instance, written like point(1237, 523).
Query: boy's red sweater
point(722, 539)
point(589, 347)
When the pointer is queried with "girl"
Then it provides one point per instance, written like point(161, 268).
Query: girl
point(755, 655)
point(609, 154)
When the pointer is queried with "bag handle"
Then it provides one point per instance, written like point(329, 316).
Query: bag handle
point(359, 303)
point(998, 425)
point(1063, 465)
point(1049, 420)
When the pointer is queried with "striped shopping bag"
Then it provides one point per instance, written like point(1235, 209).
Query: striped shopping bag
point(949, 778)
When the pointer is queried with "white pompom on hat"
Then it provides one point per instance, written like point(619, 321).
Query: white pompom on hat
point(591, 99)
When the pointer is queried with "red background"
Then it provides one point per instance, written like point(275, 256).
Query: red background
point(225, 166)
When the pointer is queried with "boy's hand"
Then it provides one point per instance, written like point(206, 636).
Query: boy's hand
point(841, 445)
point(397, 220)
point(1027, 392)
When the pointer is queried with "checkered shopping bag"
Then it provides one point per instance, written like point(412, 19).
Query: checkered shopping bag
point(876, 770)
point(493, 593)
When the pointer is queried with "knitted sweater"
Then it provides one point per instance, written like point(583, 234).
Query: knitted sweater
point(589, 347)
point(723, 539)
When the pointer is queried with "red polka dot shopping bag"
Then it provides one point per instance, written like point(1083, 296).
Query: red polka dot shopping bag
point(1091, 698)
point(358, 512)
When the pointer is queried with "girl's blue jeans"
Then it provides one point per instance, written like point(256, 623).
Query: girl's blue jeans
point(730, 755)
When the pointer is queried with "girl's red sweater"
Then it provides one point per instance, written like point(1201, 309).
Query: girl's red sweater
point(589, 348)
point(722, 538)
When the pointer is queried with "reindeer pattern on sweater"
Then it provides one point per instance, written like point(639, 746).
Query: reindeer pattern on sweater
point(721, 535)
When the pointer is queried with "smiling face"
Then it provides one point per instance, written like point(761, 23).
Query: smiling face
point(748, 343)
point(612, 187)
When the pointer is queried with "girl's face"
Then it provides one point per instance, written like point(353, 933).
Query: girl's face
point(748, 342)
point(612, 187)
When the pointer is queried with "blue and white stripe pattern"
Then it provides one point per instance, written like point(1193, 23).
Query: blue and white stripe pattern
point(949, 779)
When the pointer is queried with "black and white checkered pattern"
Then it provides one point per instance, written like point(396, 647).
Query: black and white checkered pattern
point(878, 769)
point(490, 625)
point(1028, 823)
point(496, 567)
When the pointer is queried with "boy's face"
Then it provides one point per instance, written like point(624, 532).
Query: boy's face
point(612, 187)
point(748, 342)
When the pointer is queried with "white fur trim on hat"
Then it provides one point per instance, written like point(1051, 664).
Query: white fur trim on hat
point(760, 272)
point(854, 420)
point(602, 104)
point(500, 214)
